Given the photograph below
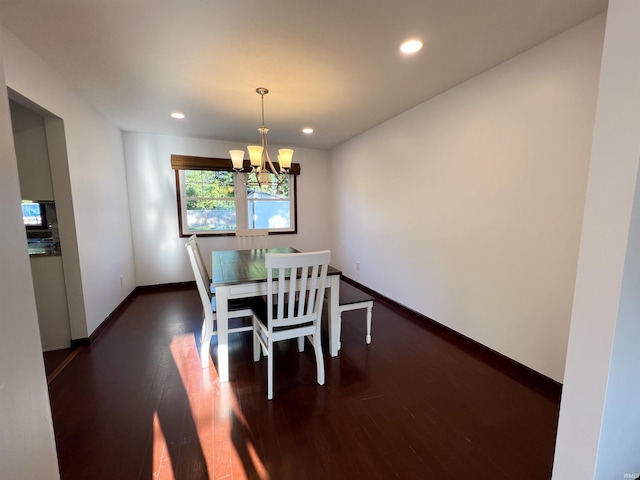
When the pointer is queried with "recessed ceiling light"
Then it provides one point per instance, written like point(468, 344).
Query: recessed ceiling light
point(177, 115)
point(307, 130)
point(411, 46)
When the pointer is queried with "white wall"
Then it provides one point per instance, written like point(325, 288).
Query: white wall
point(27, 445)
point(160, 254)
point(30, 142)
point(599, 427)
point(98, 186)
point(620, 434)
point(472, 202)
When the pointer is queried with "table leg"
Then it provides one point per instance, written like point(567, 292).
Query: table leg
point(222, 304)
point(334, 315)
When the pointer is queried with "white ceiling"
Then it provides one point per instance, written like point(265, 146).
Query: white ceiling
point(330, 64)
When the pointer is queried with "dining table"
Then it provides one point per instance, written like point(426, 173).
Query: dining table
point(241, 274)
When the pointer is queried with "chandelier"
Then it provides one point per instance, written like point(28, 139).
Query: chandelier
point(263, 171)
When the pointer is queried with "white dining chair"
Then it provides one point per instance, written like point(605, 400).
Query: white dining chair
point(237, 309)
point(250, 239)
point(193, 241)
point(293, 308)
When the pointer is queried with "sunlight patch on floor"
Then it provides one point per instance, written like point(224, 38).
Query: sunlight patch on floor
point(161, 461)
point(216, 413)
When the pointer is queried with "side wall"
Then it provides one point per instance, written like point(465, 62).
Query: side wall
point(160, 254)
point(97, 186)
point(599, 427)
point(472, 202)
point(27, 444)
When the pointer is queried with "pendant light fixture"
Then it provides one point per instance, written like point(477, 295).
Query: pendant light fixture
point(263, 171)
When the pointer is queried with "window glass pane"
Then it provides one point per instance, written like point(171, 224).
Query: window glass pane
point(203, 183)
point(281, 190)
point(210, 203)
point(269, 214)
point(211, 215)
point(270, 206)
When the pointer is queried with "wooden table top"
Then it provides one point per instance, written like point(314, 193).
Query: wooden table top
point(241, 266)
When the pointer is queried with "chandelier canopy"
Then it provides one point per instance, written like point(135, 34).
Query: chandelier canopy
point(263, 171)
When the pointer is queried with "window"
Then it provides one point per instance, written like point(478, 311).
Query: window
point(216, 201)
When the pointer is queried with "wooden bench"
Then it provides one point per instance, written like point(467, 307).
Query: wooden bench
point(353, 299)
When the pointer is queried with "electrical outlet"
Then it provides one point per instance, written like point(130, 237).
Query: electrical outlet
point(357, 266)
point(121, 281)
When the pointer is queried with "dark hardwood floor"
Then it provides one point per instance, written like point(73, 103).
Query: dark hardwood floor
point(137, 405)
point(53, 359)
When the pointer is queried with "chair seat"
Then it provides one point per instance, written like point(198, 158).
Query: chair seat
point(238, 308)
point(238, 304)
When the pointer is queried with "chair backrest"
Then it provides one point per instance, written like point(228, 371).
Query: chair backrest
point(249, 239)
point(298, 295)
point(203, 288)
point(193, 242)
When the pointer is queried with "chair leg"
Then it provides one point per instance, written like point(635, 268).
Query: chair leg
point(207, 328)
point(317, 347)
point(204, 350)
point(256, 342)
point(300, 344)
point(203, 333)
point(368, 337)
point(270, 370)
point(205, 340)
